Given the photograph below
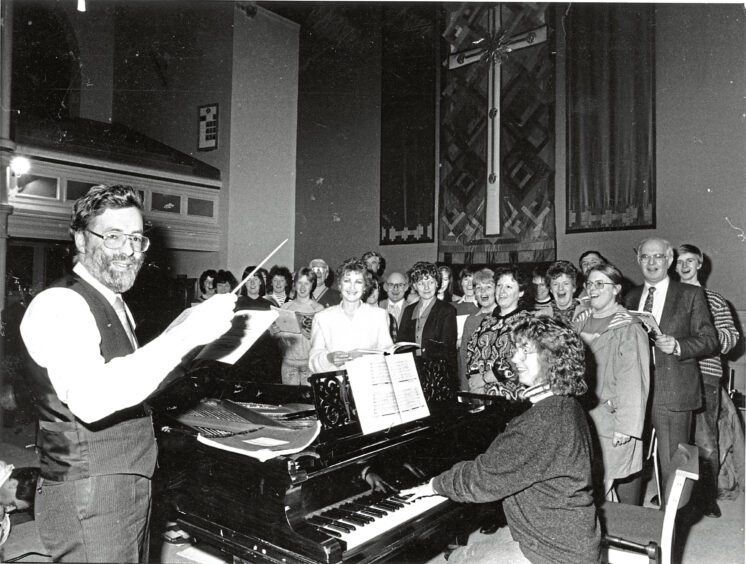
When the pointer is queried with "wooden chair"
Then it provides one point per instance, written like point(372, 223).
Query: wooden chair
point(653, 453)
point(644, 534)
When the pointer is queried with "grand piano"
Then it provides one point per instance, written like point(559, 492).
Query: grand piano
point(318, 505)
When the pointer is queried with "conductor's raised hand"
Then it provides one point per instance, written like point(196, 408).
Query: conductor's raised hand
point(205, 322)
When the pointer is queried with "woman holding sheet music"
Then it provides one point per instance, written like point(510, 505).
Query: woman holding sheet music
point(296, 346)
point(339, 332)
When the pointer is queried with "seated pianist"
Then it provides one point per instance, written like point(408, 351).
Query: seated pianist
point(540, 466)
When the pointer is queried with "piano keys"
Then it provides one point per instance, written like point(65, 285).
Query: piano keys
point(361, 519)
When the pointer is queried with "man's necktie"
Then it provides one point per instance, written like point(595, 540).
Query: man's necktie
point(394, 310)
point(124, 318)
point(649, 300)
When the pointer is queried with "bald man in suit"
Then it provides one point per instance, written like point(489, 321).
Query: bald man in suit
point(687, 333)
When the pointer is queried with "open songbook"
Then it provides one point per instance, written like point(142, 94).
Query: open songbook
point(648, 320)
point(387, 391)
point(294, 321)
point(396, 348)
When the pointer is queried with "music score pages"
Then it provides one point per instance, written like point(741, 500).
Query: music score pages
point(387, 391)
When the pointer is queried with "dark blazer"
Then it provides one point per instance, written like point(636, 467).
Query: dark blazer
point(330, 298)
point(676, 380)
point(438, 335)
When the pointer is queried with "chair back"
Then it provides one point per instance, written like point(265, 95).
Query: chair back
point(685, 464)
point(623, 542)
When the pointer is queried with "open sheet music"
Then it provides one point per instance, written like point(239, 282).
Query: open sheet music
point(648, 320)
point(247, 326)
point(286, 320)
point(387, 391)
point(402, 347)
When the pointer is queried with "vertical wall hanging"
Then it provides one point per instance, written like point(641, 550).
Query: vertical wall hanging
point(497, 135)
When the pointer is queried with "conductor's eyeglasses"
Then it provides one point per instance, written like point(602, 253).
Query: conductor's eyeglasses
point(115, 240)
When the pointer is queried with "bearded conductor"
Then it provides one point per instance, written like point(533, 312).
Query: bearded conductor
point(90, 378)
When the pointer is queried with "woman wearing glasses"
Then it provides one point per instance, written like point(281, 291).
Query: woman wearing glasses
point(619, 368)
point(540, 465)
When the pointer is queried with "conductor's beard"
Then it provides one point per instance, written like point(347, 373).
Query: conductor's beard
point(113, 268)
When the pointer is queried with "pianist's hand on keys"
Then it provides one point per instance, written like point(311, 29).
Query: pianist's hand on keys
point(423, 490)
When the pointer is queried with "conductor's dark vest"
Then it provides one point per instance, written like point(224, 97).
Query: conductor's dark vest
point(122, 443)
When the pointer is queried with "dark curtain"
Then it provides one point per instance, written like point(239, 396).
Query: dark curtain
point(611, 117)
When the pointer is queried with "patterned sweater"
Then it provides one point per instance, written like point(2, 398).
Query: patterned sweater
point(728, 335)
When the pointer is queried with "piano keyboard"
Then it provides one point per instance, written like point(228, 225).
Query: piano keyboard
point(360, 519)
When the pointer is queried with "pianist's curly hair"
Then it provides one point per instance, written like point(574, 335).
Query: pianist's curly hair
point(99, 199)
point(354, 264)
point(561, 353)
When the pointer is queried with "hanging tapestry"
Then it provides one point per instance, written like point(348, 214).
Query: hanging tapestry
point(409, 71)
point(497, 150)
point(610, 117)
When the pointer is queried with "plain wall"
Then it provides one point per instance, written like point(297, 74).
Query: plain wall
point(167, 63)
point(264, 110)
point(95, 36)
point(339, 146)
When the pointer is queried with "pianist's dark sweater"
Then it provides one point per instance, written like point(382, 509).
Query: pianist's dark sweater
point(540, 466)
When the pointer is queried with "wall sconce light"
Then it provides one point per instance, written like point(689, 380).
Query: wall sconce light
point(18, 167)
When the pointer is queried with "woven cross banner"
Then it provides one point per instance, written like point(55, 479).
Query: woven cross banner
point(497, 135)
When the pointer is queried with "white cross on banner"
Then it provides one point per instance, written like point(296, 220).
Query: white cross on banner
point(494, 50)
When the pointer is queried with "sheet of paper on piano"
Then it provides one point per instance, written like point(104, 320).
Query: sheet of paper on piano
point(266, 442)
point(249, 431)
point(247, 327)
point(387, 391)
